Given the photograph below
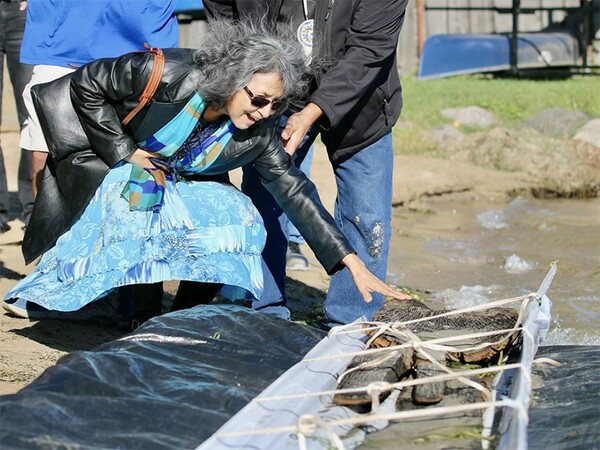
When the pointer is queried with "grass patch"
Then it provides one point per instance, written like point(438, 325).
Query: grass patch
point(512, 101)
point(414, 141)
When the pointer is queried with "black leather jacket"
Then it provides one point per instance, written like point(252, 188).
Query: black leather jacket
point(358, 87)
point(102, 93)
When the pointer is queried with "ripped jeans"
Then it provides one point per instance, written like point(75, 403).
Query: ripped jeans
point(363, 211)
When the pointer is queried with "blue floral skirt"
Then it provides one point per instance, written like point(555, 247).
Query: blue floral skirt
point(205, 231)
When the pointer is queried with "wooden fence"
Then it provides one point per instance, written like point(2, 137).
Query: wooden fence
point(425, 18)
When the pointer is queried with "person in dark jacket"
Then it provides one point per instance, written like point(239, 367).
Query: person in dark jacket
point(150, 201)
point(356, 100)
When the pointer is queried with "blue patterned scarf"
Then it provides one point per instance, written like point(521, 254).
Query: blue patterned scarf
point(185, 152)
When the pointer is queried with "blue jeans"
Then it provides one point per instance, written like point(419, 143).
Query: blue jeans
point(363, 211)
point(12, 25)
point(279, 228)
point(302, 159)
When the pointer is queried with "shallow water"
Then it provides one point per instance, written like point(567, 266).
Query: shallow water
point(472, 252)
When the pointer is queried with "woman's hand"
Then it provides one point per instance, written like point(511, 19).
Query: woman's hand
point(142, 159)
point(366, 282)
point(298, 125)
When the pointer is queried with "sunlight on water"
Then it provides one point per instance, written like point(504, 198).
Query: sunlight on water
point(492, 219)
point(471, 253)
point(514, 264)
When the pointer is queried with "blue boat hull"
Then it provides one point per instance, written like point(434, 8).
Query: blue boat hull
point(446, 55)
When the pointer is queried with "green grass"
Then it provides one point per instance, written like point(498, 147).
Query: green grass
point(512, 101)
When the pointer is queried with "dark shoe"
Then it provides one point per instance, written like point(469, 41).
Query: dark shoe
point(98, 310)
point(24, 309)
point(128, 324)
point(295, 260)
point(139, 303)
point(4, 227)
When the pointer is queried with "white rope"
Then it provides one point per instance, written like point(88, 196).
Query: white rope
point(366, 365)
point(432, 344)
point(397, 385)
point(548, 361)
point(459, 377)
point(374, 390)
point(350, 328)
point(398, 329)
point(310, 427)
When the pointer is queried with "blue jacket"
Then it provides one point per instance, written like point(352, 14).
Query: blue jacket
point(74, 32)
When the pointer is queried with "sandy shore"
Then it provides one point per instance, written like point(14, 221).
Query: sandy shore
point(27, 348)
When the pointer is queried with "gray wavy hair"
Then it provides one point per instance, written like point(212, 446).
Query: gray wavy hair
point(233, 52)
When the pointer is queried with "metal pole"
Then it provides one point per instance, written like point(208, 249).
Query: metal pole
point(587, 11)
point(514, 39)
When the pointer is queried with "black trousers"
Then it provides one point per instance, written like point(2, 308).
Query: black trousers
point(144, 301)
point(12, 26)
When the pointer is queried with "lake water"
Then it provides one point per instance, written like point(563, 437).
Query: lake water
point(470, 253)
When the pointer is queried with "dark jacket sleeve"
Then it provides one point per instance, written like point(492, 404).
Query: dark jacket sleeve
point(370, 47)
point(97, 89)
point(298, 197)
point(216, 9)
point(239, 9)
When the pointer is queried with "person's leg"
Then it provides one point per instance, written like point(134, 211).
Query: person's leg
point(271, 301)
point(38, 162)
point(190, 294)
point(276, 223)
point(32, 136)
point(147, 301)
point(13, 26)
point(25, 185)
point(4, 199)
point(295, 259)
point(276, 243)
point(363, 212)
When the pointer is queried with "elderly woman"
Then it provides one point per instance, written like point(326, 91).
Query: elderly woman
point(150, 201)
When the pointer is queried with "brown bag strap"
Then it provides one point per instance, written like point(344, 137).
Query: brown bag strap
point(151, 86)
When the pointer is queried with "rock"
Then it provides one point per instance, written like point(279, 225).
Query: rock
point(557, 122)
point(442, 134)
point(554, 167)
point(470, 115)
point(589, 133)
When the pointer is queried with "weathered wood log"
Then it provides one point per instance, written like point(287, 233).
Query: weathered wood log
point(482, 350)
point(366, 369)
point(431, 392)
point(492, 319)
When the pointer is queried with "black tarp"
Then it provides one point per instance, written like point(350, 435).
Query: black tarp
point(564, 411)
point(170, 384)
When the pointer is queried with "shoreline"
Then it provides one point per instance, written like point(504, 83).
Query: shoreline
point(27, 347)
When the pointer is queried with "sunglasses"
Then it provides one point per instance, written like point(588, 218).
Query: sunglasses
point(260, 102)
